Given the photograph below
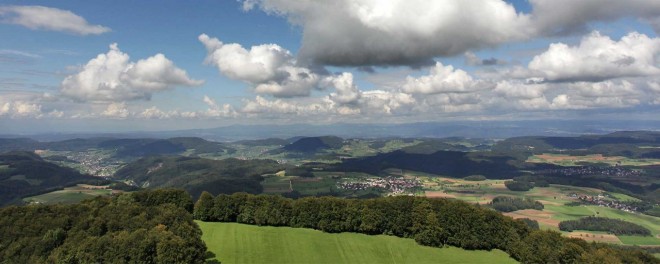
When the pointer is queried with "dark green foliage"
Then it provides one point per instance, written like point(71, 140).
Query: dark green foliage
point(27, 174)
point(177, 197)
point(101, 230)
point(431, 222)
point(510, 204)
point(263, 142)
point(519, 186)
point(203, 207)
point(196, 175)
point(533, 224)
point(614, 226)
point(475, 178)
point(541, 183)
point(314, 144)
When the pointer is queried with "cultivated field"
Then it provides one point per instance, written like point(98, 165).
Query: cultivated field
point(238, 243)
point(554, 198)
point(69, 195)
point(567, 160)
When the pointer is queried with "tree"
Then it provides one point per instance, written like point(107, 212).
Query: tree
point(203, 209)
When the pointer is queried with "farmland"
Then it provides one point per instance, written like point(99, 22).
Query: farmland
point(568, 160)
point(69, 195)
point(238, 243)
point(554, 198)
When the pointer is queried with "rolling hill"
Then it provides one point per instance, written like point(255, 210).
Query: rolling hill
point(197, 174)
point(25, 173)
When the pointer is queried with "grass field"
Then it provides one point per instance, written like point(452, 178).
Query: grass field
point(238, 243)
point(68, 195)
point(638, 240)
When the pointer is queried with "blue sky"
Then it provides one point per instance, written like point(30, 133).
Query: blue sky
point(285, 61)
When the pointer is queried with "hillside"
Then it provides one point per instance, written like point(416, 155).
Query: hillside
point(314, 144)
point(197, 174)
point(25, 173)
point(453, 163)
point(239, 243)
point(623, 143)
point(123, 148)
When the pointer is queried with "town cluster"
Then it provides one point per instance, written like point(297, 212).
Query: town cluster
point(601, 201)
point(395, 185)
point(615, 171)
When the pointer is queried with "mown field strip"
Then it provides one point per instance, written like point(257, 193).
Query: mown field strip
point(239, 243)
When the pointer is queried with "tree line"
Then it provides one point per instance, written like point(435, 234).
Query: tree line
point(614, 226)
point(142, 227)
point(510, 204)
point(430, 222)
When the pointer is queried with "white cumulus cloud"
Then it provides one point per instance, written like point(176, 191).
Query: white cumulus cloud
point(444, 79)
point(112, 77)
point(269, 68)
point(598, 58)
point(48, 18)
point(116, 110)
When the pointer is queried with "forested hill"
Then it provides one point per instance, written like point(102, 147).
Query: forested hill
point(313, 144)
point(25, 173)
point(141, 227)
point(453, 163)
point(620, 142)
point(197, 174)
point(122, 147)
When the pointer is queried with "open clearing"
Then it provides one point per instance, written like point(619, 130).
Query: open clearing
point(239, 243)
point(603, 238)
point(69, 195)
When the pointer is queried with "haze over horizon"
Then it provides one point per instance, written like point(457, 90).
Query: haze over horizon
point(126, 66)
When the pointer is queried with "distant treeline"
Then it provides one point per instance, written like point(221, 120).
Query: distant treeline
point(614, 226)
point(510, 204)
point(143, 227)
point(431, 222)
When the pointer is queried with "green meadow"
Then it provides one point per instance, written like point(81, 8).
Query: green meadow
point(239, 243)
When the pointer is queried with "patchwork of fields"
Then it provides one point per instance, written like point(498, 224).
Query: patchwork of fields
point(554, 198)
point(239, 243)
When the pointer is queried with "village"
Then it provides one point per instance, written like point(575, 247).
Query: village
point(395, 185)
point(615, 171)
point(601, 200)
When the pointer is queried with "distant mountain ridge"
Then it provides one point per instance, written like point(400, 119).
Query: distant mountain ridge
point(124, 147)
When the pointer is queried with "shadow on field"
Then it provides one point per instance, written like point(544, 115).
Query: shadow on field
point(210, 258)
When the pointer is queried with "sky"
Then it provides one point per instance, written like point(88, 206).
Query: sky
point(68, 66)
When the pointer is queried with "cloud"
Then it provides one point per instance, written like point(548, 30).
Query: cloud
point(269, 68)
point(21, 109)
point(598, 58)
point(385, 102)
point(112, 77)
point(153, 113)
point(4, 110)
point(517, 89)
point(215, 110)
point(116, 111)
point(560, 17)
point(48, 18)
point(346, 91)
point(444, 79)
point(279, 107)
point(398, 32)
point(472, 59)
